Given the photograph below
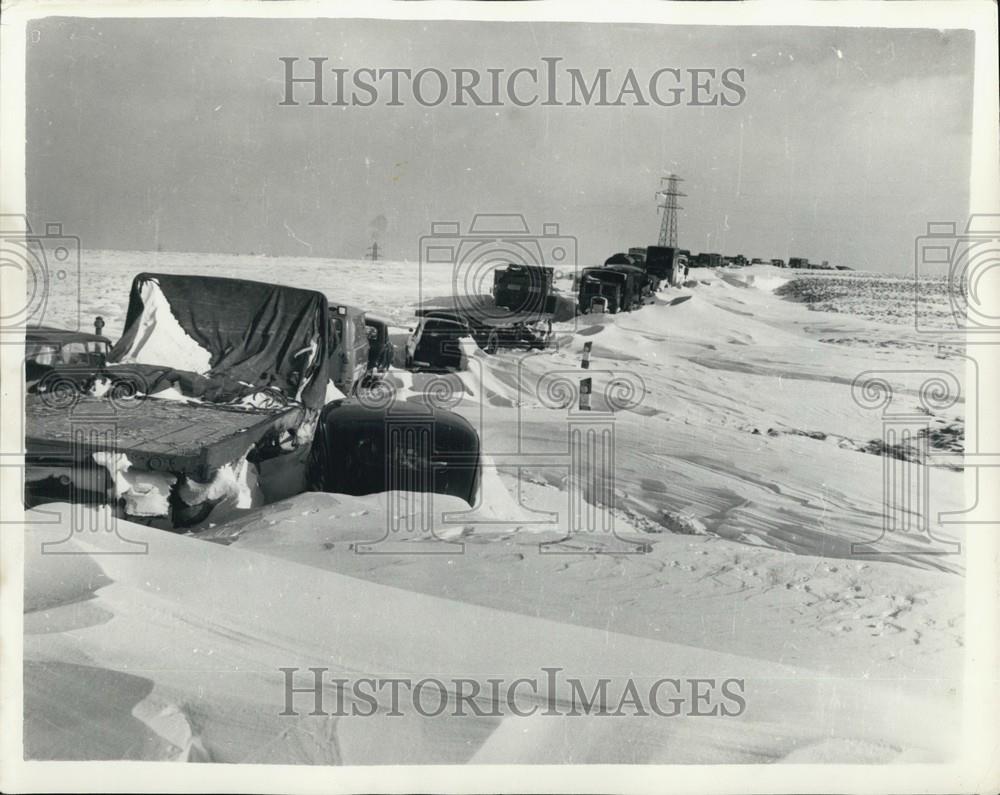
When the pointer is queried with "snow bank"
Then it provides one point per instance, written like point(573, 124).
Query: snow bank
point(211, 626)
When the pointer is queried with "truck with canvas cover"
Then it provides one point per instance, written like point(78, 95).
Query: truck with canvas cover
point(212, 395)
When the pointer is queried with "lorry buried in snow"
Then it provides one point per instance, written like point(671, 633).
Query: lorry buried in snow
point(436, 343)
point(609, 289)
point(524, 289)
point(222, 391)
point(649, 281)
point(668, 264)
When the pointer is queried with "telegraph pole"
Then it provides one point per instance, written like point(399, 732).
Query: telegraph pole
point(668, 224)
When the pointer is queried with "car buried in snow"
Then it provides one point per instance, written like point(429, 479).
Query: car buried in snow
point(46, 347)
point(435, 344)
point(213, 396)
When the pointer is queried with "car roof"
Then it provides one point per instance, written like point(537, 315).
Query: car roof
point(61, 335)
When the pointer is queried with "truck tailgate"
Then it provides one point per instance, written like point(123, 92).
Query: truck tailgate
point(162, 435)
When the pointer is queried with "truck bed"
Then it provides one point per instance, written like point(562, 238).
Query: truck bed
point(160, 435)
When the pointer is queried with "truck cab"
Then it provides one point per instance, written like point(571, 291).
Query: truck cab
point(649, 282)
point(348, 347)
point(638, 284)
point(638, 253)
point(614, 289)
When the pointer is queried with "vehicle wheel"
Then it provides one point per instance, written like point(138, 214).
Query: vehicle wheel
point(492, 343)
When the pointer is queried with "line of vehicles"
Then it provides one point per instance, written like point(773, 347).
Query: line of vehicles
point(249, 400)
point(627, 279)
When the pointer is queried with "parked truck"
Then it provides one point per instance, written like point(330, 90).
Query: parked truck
point(606, 290)
point(524, 289)
point(649, 281)
point(707, 260)
point(798, 262)
point(668, 263)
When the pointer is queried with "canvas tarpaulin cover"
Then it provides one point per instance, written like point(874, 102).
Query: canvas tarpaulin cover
point(222, 339)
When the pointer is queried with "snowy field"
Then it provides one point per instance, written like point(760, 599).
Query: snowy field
point(745, 473)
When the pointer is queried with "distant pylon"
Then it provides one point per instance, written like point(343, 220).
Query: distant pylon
point(668, 224)
point(372, 252)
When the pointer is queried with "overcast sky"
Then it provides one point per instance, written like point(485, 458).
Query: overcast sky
point(169, 133)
